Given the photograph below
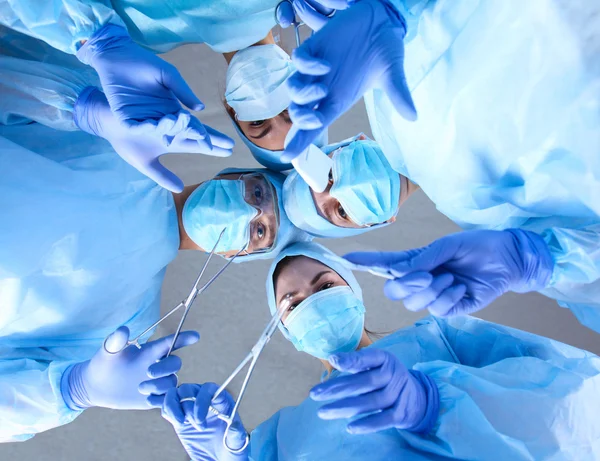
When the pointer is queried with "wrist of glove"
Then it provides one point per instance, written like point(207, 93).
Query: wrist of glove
point(108, 37)
point(72, 388)
point(431, 405)
point(535, 261)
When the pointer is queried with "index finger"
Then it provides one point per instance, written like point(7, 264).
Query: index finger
point(308, 64)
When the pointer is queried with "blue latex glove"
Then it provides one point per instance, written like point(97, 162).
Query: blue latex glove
point(142, 147)
point(359, 48)
point(115, 380)
point(198, 429)
point(314, 13)
point(464, 272)
point(379, 382)
point(140, 86)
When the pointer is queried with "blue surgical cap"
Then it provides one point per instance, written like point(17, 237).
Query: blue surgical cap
point(318, 253)
point(287, 232)
point(255, 82)
point(272, 158)
point(302, 211)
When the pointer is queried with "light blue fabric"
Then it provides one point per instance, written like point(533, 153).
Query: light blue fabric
point(327, 322)
point(255, 83)
point(287, 232)
point(216, 205)
point(272, 158)
point(39, 83)
point(487, 376)
point(224, 25)
point(318, 253)
point(513, 140)
point(300, 206)
point(98, 238)
point(365, 184)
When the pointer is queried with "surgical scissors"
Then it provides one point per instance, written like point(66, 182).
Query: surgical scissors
point(187, 303)
point(252, 357)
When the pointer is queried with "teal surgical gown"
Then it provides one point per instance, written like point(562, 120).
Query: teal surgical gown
point(85, 241)
point(508, 97)
point(504, 395)
point(224, 25)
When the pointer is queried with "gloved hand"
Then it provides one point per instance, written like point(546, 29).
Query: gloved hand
point(143, 146)
point(314, 13)
point(199, 430)
point(140, 86)
point(114, 380)
point(464, 272)
point(379, 382)
point(359, 48)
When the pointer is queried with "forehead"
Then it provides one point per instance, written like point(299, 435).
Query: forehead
point(300, 268)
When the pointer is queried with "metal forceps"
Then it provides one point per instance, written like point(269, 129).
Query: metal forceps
point(252, 357)
point(187, 303)
point(376, 271)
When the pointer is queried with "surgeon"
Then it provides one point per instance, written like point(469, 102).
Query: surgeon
point(509, 142)
point(256, 96)
point(363, 193)
point(441, 389)
point(85, 249)
point(114, 38)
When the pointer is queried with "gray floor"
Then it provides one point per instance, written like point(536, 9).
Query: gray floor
point(233, 312)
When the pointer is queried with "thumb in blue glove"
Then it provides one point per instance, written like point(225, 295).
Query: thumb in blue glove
point(378, 382)
point(199, 429)
point(358, 49)
point(143, 146)
point(113, 379)
point(464, 272)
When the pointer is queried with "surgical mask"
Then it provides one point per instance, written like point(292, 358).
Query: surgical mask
point(215, 205)
point(327, 322)
point(255, 83)
point(364, 183)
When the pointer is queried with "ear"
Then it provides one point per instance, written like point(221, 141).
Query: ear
point(362, 137)
point(391, 220)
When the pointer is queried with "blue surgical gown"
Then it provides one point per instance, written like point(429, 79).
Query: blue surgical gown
point(504, 395)
point(85, 237)
point(508, 96)
point(224, 25)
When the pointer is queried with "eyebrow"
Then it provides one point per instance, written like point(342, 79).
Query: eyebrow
point(318, 276)
point(265, 132)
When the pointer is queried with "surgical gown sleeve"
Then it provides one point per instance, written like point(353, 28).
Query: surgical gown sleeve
point(532, 401)
point(39, 83)
point(62, 24)
point(30, 393)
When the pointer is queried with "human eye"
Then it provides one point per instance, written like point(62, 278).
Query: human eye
point(326, 286)
point(330, 176)
point(258, 194)
point(260, 231)
point(341, 212)
point(257, 123)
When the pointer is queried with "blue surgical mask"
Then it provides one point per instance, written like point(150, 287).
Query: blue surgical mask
point(255, 83)
point(213, 206)
point(365, 184)
point(327, 322)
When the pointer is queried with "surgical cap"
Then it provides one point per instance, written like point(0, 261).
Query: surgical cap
point(287, 232)
point(272, 158)
point(255, 83)
point(302, 211)
point(318, 253)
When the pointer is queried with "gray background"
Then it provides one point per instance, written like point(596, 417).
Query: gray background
point(231, 315)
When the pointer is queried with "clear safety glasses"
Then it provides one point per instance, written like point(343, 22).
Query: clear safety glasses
point(260, 194)
point(186, 303)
